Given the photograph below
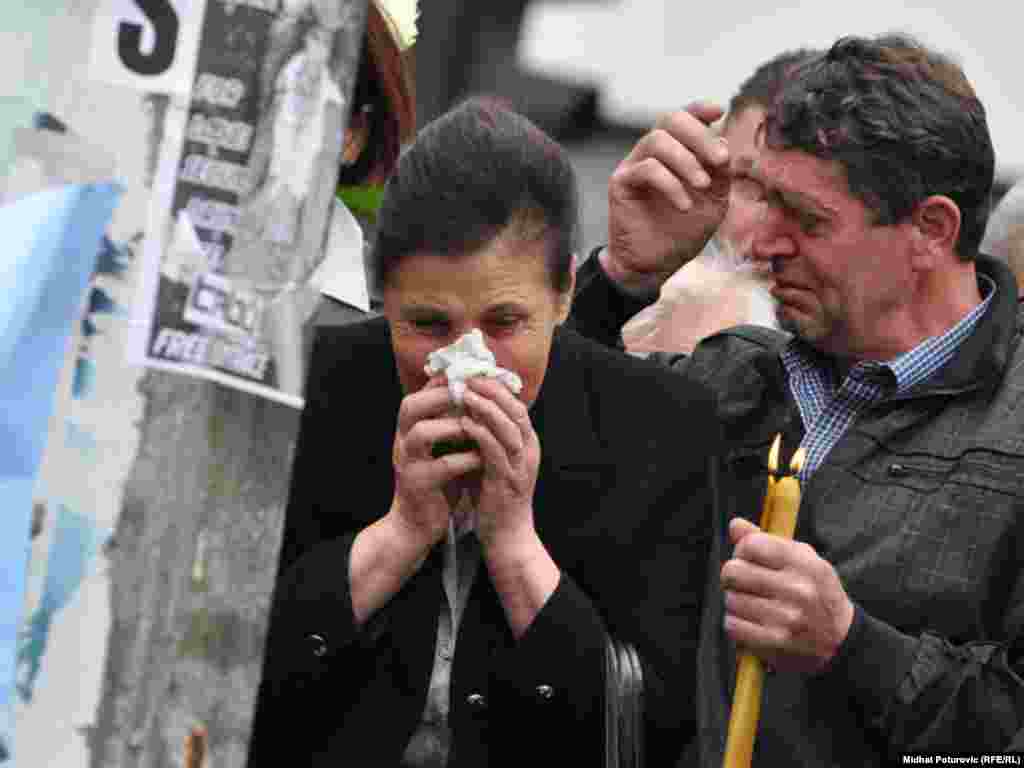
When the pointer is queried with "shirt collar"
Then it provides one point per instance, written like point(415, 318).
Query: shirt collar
point(904, 371)
point(918, 364)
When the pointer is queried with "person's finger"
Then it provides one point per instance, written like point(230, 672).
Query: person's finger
point(759, 639)
point(486, 412)
point(651, 174)
point(706, 111)
point(767, 550)
point(428, 403)
point(492, 452)
point(685, 153)
point(750, 578)
point(760, 610)
point(436, 472)
point(512, 406)
point(794, 587)
point(740, 528)
point(420, 439)
point(698, 138)
point(685, 130)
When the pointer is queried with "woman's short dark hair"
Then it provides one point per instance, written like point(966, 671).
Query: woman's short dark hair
point(472, 173)
point(901, 120)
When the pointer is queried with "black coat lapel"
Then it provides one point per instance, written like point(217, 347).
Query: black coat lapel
point(565, 414)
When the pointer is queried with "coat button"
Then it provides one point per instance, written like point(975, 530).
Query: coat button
point(476, 702)
point(545, 692)
point(318, 645)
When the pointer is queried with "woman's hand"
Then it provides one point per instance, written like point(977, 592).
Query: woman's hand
point(385, 554)
point(520, 567)
point(510, 454)
point(421, 506)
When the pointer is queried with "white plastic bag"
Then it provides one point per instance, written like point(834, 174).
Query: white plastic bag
point(716, 290)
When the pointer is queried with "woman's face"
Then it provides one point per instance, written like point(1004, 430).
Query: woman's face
point(503, 289)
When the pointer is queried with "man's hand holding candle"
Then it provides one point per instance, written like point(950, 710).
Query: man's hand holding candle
point(783, 601)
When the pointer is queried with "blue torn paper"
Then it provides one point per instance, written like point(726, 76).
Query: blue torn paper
point(51, 243)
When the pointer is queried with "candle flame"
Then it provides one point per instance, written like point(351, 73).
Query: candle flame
point(773, 455)
point(797, 463)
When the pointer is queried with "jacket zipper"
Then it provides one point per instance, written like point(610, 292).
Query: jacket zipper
point(906, 470)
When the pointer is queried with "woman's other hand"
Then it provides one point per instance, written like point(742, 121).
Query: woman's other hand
point(510, 454)
point(421, 507)
point(520, 567)
point(385, 554)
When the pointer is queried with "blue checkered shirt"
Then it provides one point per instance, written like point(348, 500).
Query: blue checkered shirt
point(827, 412)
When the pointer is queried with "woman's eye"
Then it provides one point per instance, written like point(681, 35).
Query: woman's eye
point(505, 321)
point(435, 325)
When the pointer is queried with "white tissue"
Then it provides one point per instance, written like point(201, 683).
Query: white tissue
point(469, 356)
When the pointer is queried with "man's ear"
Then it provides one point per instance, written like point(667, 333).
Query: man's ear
point(936, 228)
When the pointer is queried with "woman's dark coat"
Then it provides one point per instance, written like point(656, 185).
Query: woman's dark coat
point(622, 503)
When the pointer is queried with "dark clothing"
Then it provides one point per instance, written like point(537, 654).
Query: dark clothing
point(919, 507)
point(622, 503)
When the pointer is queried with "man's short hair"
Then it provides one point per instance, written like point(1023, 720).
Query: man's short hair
point(763, 86)
point(901, 120)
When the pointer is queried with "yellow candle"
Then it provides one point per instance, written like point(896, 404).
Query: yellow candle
point(785, 507)
point(746, 700)
point(773, 467)
point(786, 501)
point(746, 711)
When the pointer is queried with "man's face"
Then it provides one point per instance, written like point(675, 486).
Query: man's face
point(744, 196)
point(840, 279)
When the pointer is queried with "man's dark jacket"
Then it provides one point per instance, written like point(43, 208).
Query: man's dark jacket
point(919, 507)
point(623, 505)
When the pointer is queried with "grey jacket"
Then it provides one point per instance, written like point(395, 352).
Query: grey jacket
point(919, 507)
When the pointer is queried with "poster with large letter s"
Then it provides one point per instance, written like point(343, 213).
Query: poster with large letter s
point(159, 502)
point(149, 45)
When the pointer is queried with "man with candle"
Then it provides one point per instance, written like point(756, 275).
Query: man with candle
point(893, 620)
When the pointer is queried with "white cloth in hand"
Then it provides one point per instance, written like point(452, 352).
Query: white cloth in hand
point(469, 356)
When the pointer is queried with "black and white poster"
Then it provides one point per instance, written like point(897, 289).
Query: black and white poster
point(246, 177)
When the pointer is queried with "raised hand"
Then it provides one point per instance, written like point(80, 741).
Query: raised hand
point(666, 198)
